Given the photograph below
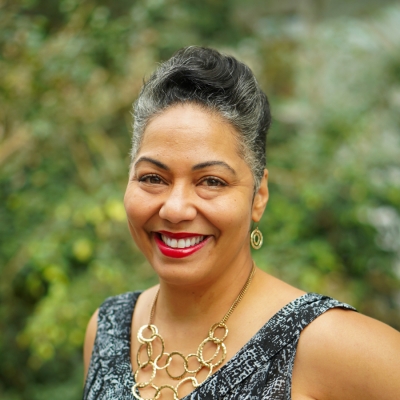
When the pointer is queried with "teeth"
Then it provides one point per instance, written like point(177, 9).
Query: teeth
point(181, 243)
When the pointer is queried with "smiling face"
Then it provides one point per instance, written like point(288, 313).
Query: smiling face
point(189, 199)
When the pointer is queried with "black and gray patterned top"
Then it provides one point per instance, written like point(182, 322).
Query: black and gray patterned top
point(262, 369)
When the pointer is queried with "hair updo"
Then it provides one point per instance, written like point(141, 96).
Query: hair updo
point(218, 83)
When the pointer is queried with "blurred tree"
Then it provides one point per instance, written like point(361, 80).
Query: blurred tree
point(69, 71)
point(337, 168)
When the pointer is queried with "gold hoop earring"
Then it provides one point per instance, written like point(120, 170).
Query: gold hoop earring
point(256, 239)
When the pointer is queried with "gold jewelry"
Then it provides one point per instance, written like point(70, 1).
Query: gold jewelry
point(153, 363)
point(256, 239)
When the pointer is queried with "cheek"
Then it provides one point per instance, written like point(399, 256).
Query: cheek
point(129, 204)
point(231, 216)
point(137, 217)
point(134, 207)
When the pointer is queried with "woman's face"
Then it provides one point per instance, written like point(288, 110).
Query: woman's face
point(189, 200)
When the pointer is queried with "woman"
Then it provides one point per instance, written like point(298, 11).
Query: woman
point(217, 327)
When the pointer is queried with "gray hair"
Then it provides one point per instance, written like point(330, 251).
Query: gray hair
point(217, 83)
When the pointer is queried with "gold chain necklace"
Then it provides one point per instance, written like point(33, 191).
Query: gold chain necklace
point(153, 363)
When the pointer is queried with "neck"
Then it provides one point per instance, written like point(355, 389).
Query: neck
point(185, 306)
point(202, 304)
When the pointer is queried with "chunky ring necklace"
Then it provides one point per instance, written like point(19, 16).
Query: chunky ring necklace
point(153, 361)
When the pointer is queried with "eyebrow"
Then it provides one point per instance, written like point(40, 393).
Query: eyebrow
point(194, 168)
point(152, 161)
point(211, 164)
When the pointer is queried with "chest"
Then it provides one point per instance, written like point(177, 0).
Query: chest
point(261, 369)
point(178, 363)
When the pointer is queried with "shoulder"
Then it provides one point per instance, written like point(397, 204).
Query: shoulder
point(90, 337)
point(122, 303)
point(116, 302)
point(347, 355)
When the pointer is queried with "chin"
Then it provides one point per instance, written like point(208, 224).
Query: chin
point(181, 272)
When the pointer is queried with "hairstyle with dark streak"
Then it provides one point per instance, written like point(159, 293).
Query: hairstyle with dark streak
point(216, 82)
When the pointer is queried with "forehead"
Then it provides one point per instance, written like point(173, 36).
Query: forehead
point(190, 130)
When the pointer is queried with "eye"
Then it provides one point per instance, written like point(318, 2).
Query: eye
point(212, 181)
point(151, 179)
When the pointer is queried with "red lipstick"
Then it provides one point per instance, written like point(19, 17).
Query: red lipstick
point(177, 252)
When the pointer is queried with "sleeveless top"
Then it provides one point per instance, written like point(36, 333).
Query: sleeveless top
point(261, 369)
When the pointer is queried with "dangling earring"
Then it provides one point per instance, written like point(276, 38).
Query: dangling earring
point(256, 239)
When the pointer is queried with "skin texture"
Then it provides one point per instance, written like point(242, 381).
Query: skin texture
point(184, 196)
point(188, 177)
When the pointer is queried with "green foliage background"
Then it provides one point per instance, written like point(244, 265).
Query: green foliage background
point(69, 71)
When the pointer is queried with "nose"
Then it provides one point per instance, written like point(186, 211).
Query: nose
point(178, 205)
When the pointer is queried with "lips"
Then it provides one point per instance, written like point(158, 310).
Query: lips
point(179, 245)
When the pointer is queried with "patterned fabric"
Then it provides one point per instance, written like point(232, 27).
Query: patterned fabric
point(262, 369)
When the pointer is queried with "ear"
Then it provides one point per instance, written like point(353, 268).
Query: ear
point(260, 199)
